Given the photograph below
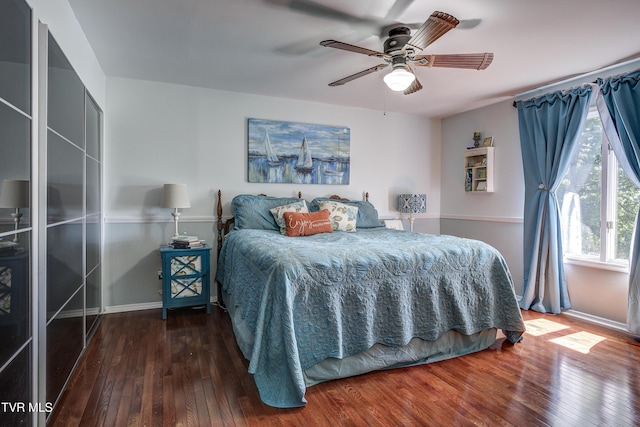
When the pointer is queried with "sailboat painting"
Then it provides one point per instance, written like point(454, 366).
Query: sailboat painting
point(298, 153)
point(271, 155)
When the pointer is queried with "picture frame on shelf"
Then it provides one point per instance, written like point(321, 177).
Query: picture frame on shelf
point(487, 142)
point(482, 186)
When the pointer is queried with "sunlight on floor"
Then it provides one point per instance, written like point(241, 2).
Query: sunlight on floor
point(539, 327)
point(580, 341)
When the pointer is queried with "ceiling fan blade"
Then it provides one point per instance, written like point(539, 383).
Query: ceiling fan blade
point(471, 61)
point(436, 26)
point(306, 47)
point(415, 86)
point(352, 48)
point(468, 24)
point(465, 24)
point(358, 75)
point(320, 11)
point(397, 9)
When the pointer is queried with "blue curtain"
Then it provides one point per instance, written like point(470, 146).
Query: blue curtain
point(550, 127)
point(619, 108)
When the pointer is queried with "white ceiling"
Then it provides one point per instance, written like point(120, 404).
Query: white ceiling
point(264, 47)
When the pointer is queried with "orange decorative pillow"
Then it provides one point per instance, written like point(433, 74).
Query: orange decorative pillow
point(306, 224)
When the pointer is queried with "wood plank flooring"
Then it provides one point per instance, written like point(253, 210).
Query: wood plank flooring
point(139, 370)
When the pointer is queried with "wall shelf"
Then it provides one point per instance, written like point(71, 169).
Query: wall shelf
point(478, 170)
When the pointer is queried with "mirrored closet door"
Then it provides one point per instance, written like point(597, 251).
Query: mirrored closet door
point(16, 335)
point(50, 216)
point(73, 218)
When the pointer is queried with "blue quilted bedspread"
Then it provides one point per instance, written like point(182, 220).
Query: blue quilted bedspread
point(337, 294)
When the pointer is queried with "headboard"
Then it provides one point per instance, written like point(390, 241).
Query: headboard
point(225, 226)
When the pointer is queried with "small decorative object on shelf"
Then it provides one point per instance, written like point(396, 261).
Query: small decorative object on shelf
point(487, 142)
point(478, 170)
point(476, 139)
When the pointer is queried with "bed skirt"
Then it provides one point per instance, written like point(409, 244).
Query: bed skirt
point(451, 344)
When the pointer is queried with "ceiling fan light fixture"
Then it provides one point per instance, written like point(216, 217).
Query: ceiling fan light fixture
point(399, 79)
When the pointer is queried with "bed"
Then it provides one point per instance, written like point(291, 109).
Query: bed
point(353, 299)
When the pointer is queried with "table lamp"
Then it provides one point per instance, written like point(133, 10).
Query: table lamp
point(412, 204)
point(14, 194)
point(175, 196)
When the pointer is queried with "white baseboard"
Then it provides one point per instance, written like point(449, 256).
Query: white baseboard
point(137, 307)
point(593, 319)
point(132, 307)
point(597, 320)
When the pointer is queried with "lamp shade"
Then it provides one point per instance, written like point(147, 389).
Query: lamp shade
point(412, 203)
point(175, 196)
point(399, 79)
point(14, 194)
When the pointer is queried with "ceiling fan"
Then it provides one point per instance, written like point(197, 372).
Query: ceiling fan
point(362, 26)
point(400, 49)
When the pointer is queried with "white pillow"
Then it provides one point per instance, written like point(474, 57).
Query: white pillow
point(278, 213)
point(342, 217)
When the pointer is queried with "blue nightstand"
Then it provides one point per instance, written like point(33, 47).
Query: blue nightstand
point(185, 278)
point(14, 285)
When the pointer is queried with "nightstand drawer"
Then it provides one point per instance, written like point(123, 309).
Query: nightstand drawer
point(185, 278)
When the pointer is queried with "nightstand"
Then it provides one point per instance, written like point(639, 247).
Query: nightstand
point(14, 285)
point(185, 278)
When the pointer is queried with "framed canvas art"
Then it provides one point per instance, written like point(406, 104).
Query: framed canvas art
point(298, 153)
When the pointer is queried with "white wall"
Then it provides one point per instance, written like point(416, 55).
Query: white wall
point(63, 25)
point(598, 292)
point(497, 218)
point(506, 202)
point(160, 133)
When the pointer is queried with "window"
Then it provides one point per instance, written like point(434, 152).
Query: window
point(598, 203)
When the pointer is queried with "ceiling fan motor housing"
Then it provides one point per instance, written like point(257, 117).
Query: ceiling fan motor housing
point(400, 50)
point(399, 61)
point(398, 37)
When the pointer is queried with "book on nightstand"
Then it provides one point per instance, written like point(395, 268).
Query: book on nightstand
point(186, 242)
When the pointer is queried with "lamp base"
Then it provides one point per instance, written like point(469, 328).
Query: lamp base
point(176, 218)
point(16, 220)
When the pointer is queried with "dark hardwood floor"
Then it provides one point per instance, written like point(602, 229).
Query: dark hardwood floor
point(188, 371)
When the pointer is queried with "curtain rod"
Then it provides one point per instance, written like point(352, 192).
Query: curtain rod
point(580, 77)
point(514, 102)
